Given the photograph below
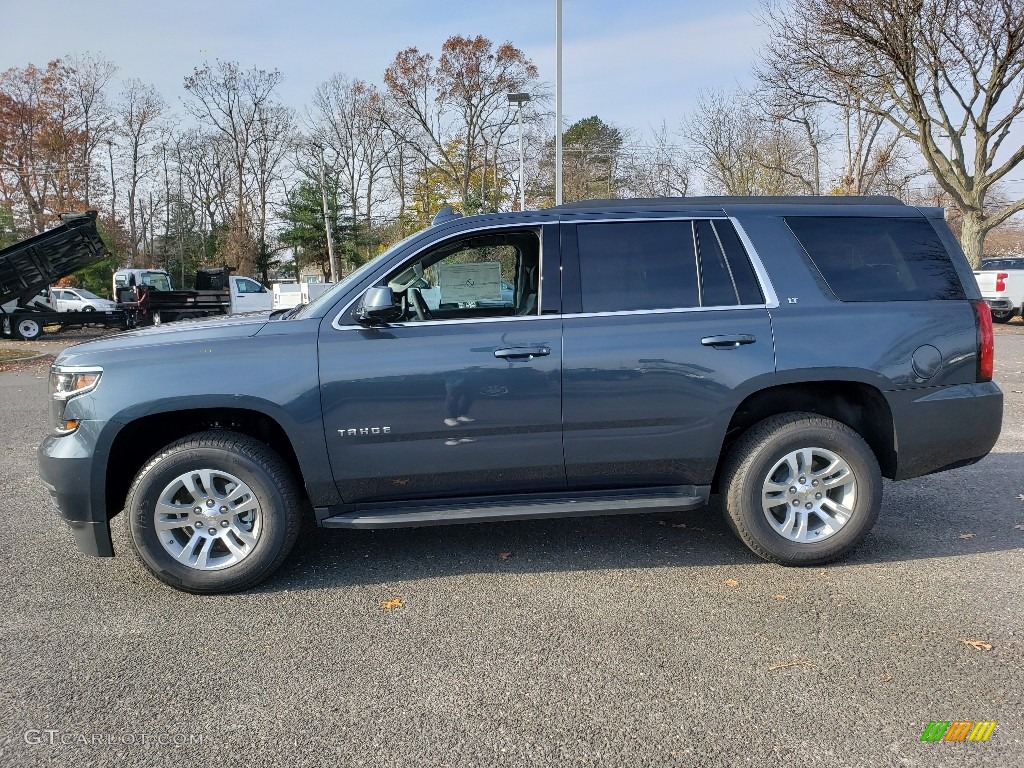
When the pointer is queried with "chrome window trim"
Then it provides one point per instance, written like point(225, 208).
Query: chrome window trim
point(568, 316)
point(454, 321)
point(670, 311)
point(771, 300)
point(532, 225)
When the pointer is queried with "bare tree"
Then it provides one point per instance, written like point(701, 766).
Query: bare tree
point(349, 119)
point(233, 102)
point(204, 162)
point(273, 138)
point(948, 75)
point(138, 122)
point(741, 151)
point(88, 76)
point(657, 168)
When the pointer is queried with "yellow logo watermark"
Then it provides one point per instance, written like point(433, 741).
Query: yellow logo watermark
point(958, 730)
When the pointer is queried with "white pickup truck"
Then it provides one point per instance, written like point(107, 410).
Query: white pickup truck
point(1001, 281)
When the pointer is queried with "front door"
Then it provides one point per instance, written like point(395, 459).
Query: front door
point(462, 394)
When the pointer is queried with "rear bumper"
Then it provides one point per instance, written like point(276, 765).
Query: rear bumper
point(944, 427)
point(66, 469)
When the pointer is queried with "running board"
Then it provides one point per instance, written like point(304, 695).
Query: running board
point(510, 508)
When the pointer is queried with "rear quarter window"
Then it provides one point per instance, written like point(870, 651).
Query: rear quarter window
point(878, 259)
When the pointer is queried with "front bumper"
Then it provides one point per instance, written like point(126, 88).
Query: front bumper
point(66, 467)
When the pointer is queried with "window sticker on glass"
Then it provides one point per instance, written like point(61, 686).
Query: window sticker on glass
point(464, 283)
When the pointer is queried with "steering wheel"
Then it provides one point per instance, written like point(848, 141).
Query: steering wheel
point(419, 305)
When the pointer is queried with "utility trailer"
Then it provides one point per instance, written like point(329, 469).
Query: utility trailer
point(31, 266)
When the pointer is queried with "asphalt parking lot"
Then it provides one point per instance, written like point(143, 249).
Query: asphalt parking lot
point(633, 641)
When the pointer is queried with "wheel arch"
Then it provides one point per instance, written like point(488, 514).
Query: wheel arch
point(858, 405)
point(140, 439)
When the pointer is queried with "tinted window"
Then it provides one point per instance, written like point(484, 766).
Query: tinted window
point(642, 265)
point(876, 259)
point(717, 288)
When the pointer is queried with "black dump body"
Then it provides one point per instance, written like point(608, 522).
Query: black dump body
point(28, 267)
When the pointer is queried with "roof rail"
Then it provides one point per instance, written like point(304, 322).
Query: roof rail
point(445, 214)
point(736, 200)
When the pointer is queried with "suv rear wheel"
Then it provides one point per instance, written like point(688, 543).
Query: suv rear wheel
point(801, 489)
point(213, 512)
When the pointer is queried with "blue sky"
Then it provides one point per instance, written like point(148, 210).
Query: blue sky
point(632, 62)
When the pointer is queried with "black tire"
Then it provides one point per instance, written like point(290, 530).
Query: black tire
point(88, 308)
point(27, 328)
point(252, 462)
point(1003, 316)
point(748, 468)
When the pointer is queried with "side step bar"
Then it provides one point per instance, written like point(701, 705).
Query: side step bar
point(511, 508)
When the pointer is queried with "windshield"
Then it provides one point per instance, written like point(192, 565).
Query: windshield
point(158, 280)
point(307, 310)
point(87, 294)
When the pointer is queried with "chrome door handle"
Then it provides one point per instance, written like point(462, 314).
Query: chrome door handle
point(728, 342)
point(522, 352)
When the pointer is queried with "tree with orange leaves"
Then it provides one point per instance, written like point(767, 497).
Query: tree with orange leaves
point(458, 101)
point(41, 145)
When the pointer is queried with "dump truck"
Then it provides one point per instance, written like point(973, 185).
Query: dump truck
point(29, 268)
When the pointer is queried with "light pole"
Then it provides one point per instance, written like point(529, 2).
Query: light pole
point(327, 218)
point(558, 102)
point(519, 99)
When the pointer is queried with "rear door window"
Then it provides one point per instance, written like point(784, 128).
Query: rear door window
point(878, 259)
point(637, 265)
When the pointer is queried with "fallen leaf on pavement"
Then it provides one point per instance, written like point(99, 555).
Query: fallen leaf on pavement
point(388, 605)
point(731, 583)
point(886, 678)
point(504, 555)
point(1019, 527)
point(978, 645)
point(780, 597)
point(966, 535)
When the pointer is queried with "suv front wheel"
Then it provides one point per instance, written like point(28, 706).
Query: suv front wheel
point(213, 512)
point(801, 489)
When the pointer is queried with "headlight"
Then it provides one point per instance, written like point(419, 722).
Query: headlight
point(66, 382)
point(70, 381)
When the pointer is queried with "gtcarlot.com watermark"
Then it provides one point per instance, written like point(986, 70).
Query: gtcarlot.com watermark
point(53, 737)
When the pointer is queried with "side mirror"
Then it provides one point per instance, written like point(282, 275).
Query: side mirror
point(378, 307)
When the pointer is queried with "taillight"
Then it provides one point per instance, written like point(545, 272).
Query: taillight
point(986, 342)
point(1001, 281)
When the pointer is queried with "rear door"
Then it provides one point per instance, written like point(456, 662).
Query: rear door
point(664, 335)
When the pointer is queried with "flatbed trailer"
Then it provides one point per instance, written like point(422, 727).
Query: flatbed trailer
point(150, 305)
point(29, 267)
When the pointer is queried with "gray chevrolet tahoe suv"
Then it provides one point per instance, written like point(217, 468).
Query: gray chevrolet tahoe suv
point(786, 353)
